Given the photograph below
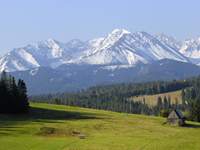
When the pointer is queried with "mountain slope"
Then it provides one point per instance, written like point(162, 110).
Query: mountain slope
point(18, 59)
point(191, 49)
point(123, 47)
point(78, 76)
point(120, 47)
point(49, 53)
point(169, 41)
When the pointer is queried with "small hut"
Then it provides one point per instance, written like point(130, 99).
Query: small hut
point(176, 118)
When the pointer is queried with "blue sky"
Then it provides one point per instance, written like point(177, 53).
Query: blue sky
point(27, 21)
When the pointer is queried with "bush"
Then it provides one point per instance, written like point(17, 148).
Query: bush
point(164, 113)
point(47, 130)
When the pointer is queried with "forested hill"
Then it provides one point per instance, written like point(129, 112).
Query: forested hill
point(124, 90)
point(115, 97)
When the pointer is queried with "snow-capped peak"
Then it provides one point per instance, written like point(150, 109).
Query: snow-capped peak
point(191, 48)
point(112, 38)
point(52, 43)
point(120, 32)
point(53, 48)
point(123, 47)
point(120, 47)
point(116, 34)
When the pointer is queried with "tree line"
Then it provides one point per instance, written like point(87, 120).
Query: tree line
point(191, 99)
point(13, 97)
point(116, 97)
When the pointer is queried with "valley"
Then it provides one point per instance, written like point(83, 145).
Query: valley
point(99, 75)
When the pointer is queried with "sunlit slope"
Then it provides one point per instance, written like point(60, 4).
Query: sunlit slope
point(151, 100)
point(54, 127)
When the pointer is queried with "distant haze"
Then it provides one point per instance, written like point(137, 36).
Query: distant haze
point(23, 22)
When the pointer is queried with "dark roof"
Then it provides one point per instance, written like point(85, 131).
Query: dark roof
point(176, 114)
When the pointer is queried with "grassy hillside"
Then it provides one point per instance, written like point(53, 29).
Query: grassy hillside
point(151, 100)
point(56, 127)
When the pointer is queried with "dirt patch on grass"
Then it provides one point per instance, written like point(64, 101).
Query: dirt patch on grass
point(51, 131)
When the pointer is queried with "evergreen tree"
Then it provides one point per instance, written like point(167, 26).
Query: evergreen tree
point(23, 99)
point(194, 109)
point(13, 98)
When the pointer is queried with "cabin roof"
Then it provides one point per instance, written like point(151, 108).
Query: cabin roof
point(175, 114)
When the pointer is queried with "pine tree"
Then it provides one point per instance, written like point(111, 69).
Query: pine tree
point(4, 100)
point(23, 99)
point(13, 98)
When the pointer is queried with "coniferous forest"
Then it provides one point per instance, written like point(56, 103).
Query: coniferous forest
point(116, 97)
point(13, 97)
point(191, 99)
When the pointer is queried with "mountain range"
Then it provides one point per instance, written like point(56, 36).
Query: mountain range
point(120, 56)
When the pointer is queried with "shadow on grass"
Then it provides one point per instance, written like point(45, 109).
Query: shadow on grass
point(49, 114)
point(12, 123)
point(45, 116)
point(189, 125)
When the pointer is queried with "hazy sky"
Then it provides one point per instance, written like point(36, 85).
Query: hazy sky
point(27, 21)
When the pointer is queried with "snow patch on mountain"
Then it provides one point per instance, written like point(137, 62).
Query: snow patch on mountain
point(18, 59)
point(120, 47)
point(169, 40)
point(191, 48)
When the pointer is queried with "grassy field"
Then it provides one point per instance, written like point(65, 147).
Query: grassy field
point(151, 100)
point(54, 127)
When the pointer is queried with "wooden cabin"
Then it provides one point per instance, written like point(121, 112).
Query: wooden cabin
point(176, 118)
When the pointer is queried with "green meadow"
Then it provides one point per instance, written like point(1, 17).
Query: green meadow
point(57, 127)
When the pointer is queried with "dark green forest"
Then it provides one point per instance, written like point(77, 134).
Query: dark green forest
point(116, 97)
point(191, 99)
point(13, 97)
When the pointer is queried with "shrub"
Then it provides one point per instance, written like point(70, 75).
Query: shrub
point(164, 112)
